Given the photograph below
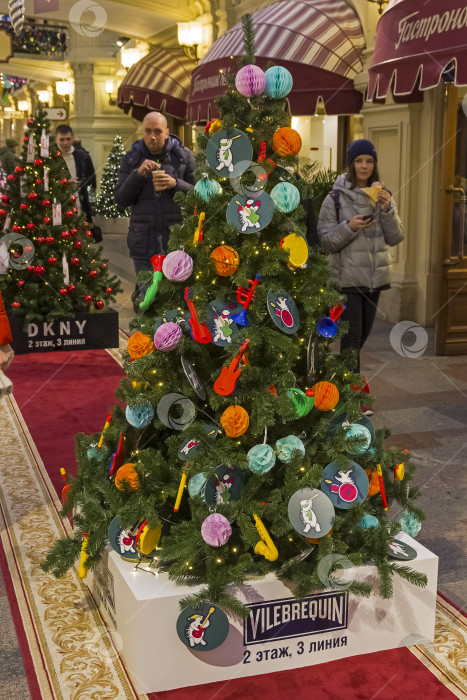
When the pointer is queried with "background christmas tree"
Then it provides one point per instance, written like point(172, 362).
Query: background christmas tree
point(106, 205)
point(276, 442)
point(59, 237)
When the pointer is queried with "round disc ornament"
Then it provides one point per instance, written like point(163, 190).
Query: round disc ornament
point(204, 628)
point(358, 431)
point(122, 540)
point(226, 484)
point(399, 550)
point(176, 411)
point(250, 214)
point(311, 513)
point(297, 248)
point(342, 421)
point(195, 381)
point(285, 196)
point(197, 484)
point(345, 488)
point(283, 311)
point(192, 446)
point(229, 152)
point(220, 324)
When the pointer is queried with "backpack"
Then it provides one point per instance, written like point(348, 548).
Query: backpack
point(335, 195)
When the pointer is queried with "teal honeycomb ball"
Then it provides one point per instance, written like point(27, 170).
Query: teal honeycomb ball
point(368, 521)
point(141, 415)
point(356, 430)
point(286, 446)
point(409, 523)
point(207, 188)
point(285, 196)
point(279, 82)
point(261, 459)
point(93, 452)
point(197, 484)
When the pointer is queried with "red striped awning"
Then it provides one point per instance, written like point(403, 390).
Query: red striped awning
point(160, 81)
point(415, 43)
point(320, 42)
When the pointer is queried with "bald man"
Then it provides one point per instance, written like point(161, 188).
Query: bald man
point(153, 211)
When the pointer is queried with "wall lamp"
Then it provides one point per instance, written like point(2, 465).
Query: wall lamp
point(190, 35)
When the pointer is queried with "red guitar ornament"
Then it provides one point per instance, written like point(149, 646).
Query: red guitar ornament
point(118, 456)
point(199, 331)
point(227, 380)
point(197, 633)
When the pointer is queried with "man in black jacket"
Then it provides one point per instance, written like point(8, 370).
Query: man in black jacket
point(153, 212)
point(80, 166)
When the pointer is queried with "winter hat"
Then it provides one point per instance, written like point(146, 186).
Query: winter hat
point(361, 147)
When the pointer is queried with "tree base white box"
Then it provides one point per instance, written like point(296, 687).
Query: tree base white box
point(280, 633)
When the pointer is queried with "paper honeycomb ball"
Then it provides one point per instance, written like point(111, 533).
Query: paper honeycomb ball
point(167, 336)
point(286, 141)
point(126, 476)
point(286, 446)
point(226, 260)
point(285, 196)
point(94, 452)
point(207, 188)
point(197, 484)
point(279, 82)
point(141, 415)
point(409, 523)
point(326, 396)
point(261, 459)
point(177, 266)
point(235, 421)
point(356, 430)
point(374, 487)
point(250, 80)
point(216, 530)
point(368, 521)
point(139, 345)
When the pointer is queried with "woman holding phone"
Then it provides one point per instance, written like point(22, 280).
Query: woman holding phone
point(357, 223)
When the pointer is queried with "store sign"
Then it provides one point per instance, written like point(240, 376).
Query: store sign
point(55, 113)
point(289, 617)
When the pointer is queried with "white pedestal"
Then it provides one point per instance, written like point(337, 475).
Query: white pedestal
point(280, 634)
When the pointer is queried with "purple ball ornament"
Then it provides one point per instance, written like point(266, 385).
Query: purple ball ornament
point(250, 80)
point(216, 530)
point(177, 266)
point(167, 336)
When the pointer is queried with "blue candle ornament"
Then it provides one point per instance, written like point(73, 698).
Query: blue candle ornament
point(286, 446)
point(279, 82)
point(207, 188)
point(285, 196)
point(197, 484)
point(368, 521)
point(261, 459)
point(355, 430)
point(141, 415)
point(409, 523)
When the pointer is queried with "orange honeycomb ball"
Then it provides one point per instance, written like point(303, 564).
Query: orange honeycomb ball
point(326, 396)
point(286, 141)
point(375, 487)
point(139, 345)
point(226, 260)
point(235, 421)
point(126, 474)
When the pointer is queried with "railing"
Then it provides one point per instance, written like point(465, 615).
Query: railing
point(38, 39)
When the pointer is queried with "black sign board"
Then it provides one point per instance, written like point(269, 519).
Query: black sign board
point(83, 331)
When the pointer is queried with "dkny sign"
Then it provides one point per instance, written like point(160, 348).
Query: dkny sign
point(84, 331)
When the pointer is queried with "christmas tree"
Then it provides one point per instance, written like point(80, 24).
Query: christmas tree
point(239, 394)
point(57, 270)
point(106, 205)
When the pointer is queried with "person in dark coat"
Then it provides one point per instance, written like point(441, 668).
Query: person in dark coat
point(8, 157)
point(153, 211)
point(80, 166)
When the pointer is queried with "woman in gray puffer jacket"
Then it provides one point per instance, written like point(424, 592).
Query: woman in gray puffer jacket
point(356, 228)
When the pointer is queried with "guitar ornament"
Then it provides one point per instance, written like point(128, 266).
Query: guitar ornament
point(118, 456)
point(227, 380)
point(198, 630)
point(199, 331)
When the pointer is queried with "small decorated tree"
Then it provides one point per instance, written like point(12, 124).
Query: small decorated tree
point(106, 205)
point(55, 269)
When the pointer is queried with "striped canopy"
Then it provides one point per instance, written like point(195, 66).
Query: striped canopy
point(320, 41)
point(160, 81)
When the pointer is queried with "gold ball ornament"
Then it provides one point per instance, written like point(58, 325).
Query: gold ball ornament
point(126, 476)
point(235, 421)
point(326, 396)
point(286, 141)
point(226, 260)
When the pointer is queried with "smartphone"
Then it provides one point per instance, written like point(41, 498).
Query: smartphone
point(368, 217)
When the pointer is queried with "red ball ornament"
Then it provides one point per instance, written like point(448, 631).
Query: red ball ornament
point(20, 284)
point(89, 234)
point(38, 161)
point(71, 288)
point(46, 202)
point(47, 220)
point(5, 199)
point(16, 305)
point(87, 298)
point(50, 240)
point(30, 268)
point(104, 264)
point(25, 139)
point(78, 245)
point(30, 121)
point(3, 213)
point(65, 234)
point(23, 206)
point(40, 240)
point(108, 290)
point(63, 291)
point(39, 270)
point(74, 261)
point(32, 196)
point(93, 274)
point(58, 154)
point(16, 228)
point(11, 177)
point(64, 181)
point(68, 213)
point(16, 255)
point(72, 199)
point(39, 181)
point(75, 210)
point(99, 304)
point(52, 260)
point(19, 169)
point(74, 231)
point(31, 226)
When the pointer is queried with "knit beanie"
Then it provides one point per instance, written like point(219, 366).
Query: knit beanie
point(361, 147)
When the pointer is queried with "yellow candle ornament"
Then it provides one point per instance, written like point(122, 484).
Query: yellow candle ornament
point(180, 492)
point(266, 546)
point(83, 569)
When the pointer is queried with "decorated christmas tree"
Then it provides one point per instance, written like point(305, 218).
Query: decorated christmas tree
point(242, 449)
point(106, 205)
point(56, 270)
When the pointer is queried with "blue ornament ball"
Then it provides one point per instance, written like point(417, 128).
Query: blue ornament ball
point(207, 188)
point(410, 524)
point(368, 521)
point(356, 430)
point(93, 452)
point(279, 82)
point(197, 484)
point(285, 196)
point(286, 446)
point(261, 459)
point(141, 415)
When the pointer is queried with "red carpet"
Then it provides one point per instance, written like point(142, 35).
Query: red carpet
point(61, 394)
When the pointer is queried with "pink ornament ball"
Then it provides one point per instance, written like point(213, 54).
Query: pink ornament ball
point(250, 80)
point(216, 530)
point(177, 266)
point(167, 336)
